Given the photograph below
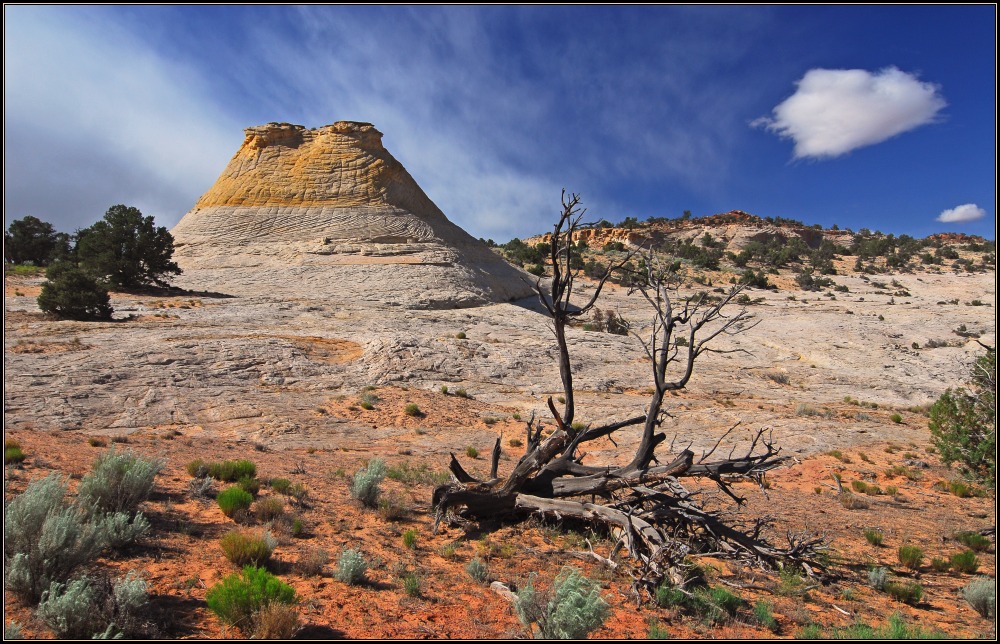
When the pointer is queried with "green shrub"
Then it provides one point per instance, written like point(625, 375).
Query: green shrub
point(940, 565)
point(281, 486)
point(12, 452)
point(232, 471)
point(366, 484)
point(960, 489)
point(906, 592)
point(249, 484)
point(244, 547)
point(573, 609)
point(72, 294)
point(965, 562)
point(409, 474)
point(657, 631)
point(478, 570)
point(896, 418)
point(973, 541)
point(667, 596)
point(118, 481)
point(715, 605)
point(234, 500)
point(963, 423)
point(471, 452)
point(412, 410)
point(351, 567)
point(411, 584)
point(910, 556)
point(198, 468)
point(981, 594)
point(239, 598)
point(874, 536)
point(410, 539)
point(763, 611)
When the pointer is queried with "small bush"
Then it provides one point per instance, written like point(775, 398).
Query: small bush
point(896, 418)
point(232, 471)
point(515, 442)
point(45, 540)
point(407, 473)
point(960, 489)
point(965, 562)
point(973, 541)
point(981, 594)
point(249, 484)
point(910, 556)
point(197, 468)
point(908, 593)
point(351, 567)
point(12, 452)
point(877, 578)
point(69, 609)
point(852, 501)
point(412, 410)
point(668, 596)
point(281, 486)
point(391, 507)
point(462, 393)
point(411, 584)
point(234, 500)
point(275, 621)
point(367, 481)
point(715, 605)
point(118, 482)
point(940, 565)
point(460, 335)
point(410, 539)
point(72, 294)
point(573, 609)
point(874, 536)
point(312, 562)
point(239, 598)
point(478, 570)
point(244, 547)
point(472, 452)
point(268, 509)
point(96, 609)
point(764, 613)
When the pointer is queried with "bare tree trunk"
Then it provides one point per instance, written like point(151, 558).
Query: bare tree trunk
point(658, 521)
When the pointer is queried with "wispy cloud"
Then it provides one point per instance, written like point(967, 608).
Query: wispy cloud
point(93, 117)
point(961, 214)
point(834, 111)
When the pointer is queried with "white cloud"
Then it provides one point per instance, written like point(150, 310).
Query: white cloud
point(960, 214)
point(98, 118)
point(834, 111)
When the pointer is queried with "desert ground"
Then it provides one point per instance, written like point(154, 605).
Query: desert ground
point(278, 378)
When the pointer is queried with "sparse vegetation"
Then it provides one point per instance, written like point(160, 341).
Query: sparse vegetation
point(572, 610)
point(246, 547)
point(240, 599)
point(874, 536)
point(478, 570)
point(234, 501)
point(412, 410)
point(12, 452)
point(366, 486)
point(965, 562)
point(906, 592)
point(963, 423)
point(351, 567)
point(974, 541)
point(981, 594)
point(910, 556)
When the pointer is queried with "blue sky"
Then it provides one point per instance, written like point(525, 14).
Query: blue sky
point(863, 116)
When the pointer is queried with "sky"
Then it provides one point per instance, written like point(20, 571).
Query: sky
point(881, 117)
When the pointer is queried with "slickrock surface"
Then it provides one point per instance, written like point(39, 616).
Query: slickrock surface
point(329, 211)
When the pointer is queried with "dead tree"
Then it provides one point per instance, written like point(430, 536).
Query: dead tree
point(655, 520)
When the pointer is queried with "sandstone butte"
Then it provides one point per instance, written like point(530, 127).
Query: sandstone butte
point(328, 212)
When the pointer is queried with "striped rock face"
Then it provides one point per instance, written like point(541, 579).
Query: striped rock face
point(330, 213)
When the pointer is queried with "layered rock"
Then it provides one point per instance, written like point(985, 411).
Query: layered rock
point(328, 212)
